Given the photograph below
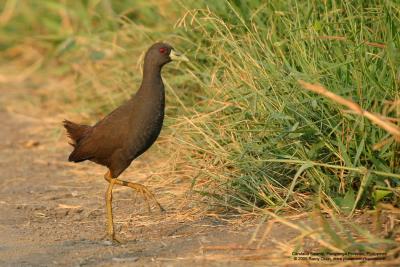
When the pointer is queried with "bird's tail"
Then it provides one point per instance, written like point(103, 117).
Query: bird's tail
point(75, 131)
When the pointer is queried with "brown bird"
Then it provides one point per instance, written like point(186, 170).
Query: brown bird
point(128, 131)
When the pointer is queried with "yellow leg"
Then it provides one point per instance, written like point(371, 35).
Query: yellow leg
point(137, 187)
point(110, 223)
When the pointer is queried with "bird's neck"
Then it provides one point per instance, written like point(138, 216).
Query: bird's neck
point(151, 77)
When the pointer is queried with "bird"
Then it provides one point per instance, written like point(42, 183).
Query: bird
point(128, 131)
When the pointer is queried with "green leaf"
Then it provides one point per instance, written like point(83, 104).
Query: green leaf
point(364, 184)
point(97, 55)
point(65, 46)
point(380, 194)
point(297, 175)
point(347, 202)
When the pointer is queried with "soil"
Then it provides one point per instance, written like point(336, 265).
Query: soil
point(52, 212)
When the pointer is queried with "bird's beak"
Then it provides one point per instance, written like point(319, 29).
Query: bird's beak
point(176, 56)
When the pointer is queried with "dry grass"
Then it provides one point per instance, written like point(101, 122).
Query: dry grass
point(383, 122)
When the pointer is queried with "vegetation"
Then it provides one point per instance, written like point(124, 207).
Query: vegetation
point(251, 134)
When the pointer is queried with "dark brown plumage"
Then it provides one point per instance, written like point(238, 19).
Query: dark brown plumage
point(128, 131)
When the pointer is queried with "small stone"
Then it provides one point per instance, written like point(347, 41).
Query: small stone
point(107, 242)
point(131, 259)
point(77, 211)
point(31, 143)
point(61, 213)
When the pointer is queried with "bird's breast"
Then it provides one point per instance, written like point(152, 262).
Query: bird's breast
point(146, 123)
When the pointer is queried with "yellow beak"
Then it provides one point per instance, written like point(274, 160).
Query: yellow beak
point(176, 56)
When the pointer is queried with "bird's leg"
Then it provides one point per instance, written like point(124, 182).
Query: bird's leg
point(137, 187)
point(146, 197)
point(110, 223)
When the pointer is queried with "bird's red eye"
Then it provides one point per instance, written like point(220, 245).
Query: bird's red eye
point(163, 50)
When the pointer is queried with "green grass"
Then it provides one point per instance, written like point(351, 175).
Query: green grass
point(272, 140)
point(253, 136)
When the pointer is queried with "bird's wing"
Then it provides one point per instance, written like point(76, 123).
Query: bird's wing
point(106, 136)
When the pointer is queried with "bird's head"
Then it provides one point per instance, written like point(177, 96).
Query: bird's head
point(162, 53)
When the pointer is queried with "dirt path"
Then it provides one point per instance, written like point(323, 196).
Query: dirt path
point(52, 211)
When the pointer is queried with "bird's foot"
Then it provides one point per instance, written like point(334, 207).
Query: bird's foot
point(141, 189)
point(147, 200)
point(110, 239)
point(147, 195)
point(162, 210)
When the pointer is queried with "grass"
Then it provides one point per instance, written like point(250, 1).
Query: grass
point(268, 129)
point(250, 134)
